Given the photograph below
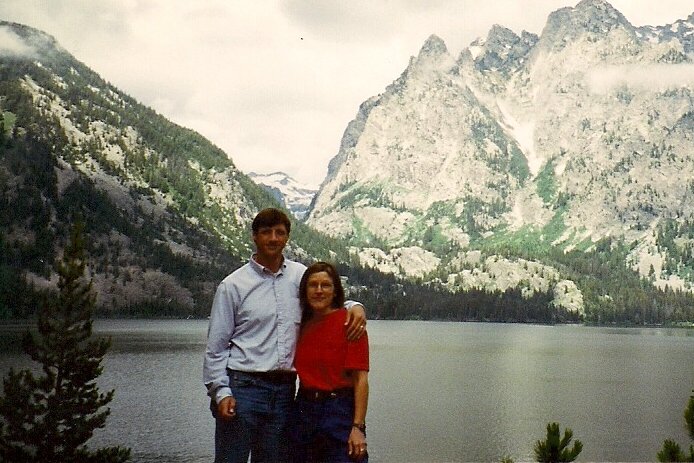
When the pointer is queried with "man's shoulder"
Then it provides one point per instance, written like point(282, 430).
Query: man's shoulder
point(240, 273)
point(294, 270)
point(294, 265)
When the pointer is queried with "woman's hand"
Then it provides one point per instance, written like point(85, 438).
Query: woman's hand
point(355, 322)
point(356, 444)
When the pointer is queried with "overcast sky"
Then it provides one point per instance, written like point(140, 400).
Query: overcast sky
point(274, 83)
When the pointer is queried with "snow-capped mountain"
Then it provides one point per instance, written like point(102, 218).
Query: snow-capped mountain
point(295, 196)
point(581, 133)
point(681, 30)
point(493, 178)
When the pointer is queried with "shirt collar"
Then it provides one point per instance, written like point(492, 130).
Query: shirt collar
point(261, 269)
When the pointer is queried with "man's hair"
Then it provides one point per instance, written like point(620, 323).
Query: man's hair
point(338, 291)
point(269, 218)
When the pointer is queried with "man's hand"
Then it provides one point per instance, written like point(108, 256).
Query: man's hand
point(226, 409)
point(356, 322)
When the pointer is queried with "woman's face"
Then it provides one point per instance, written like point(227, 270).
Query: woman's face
point(320, 291)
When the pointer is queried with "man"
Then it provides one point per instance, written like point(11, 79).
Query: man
point(251, 342)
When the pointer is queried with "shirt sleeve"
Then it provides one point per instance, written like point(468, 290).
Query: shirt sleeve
point(219, 332)
point(358, 354)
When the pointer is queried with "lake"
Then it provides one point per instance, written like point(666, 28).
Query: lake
point(439, 391)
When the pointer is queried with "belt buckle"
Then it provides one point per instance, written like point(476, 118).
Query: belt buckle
point(332, 394)
point(316, 395)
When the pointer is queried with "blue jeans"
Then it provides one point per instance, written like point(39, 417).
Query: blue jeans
point(260, 425)
point(320, 429)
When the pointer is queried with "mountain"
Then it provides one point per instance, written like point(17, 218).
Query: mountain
point(536, 178)
point(488, 169)
point(167, 213)
point(291, 194)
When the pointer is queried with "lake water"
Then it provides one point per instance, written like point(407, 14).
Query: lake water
point(439, 392)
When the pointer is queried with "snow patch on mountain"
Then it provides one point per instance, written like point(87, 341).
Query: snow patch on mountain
point(295, 196)
point(524, 133)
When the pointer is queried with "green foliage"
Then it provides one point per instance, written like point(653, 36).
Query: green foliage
point(612, 292)
point(556, 448)
point(52, 416)
point(476, 208)
point(671, 451)
point(390, 298)
point(529, 240)
point(34, 216)
point(511, 160)
point(546, 183)
point(675, 239)
point(179, 163)
point(689, 417)
point(320, 246)
point(8, 119)
point(374, 195)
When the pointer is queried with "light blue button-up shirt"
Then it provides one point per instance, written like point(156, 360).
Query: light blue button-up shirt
point(254, 323)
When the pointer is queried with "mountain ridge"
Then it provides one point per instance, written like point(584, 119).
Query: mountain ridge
point(293, 195)
point(167, 212)
point(505, 238)
point(561, 142)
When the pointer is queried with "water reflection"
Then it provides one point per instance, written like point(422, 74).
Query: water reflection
point(439, 391)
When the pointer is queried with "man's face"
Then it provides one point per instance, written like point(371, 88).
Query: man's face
point(270, 241)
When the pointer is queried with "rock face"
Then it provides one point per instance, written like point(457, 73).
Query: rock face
point(581, 133)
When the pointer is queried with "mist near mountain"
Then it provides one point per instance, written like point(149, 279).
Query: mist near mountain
point(529, 179)
point(525, 143)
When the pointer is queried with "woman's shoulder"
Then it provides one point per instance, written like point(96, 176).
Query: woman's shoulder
point(336, 317)
point(333, 317)
point(337, 314)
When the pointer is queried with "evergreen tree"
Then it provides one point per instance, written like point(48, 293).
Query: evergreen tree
point(49, 418)
point(671, 450)
point(555, 449)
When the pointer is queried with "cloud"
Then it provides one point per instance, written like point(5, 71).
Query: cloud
point(653, 13)
point(13, 45)
point(651, 77)
point(274, 83)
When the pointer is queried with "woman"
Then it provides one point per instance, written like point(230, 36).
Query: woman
point(330, 409)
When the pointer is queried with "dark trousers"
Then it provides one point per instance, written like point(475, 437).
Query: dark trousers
point(320, 428)
point(260, 426)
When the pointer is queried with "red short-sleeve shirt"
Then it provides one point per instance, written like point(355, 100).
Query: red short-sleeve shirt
point(323, 353)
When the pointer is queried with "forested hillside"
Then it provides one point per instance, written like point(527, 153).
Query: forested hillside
point(167, 216)
point(166, 212)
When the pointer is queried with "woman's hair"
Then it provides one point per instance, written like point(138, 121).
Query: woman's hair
point(338, 291)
